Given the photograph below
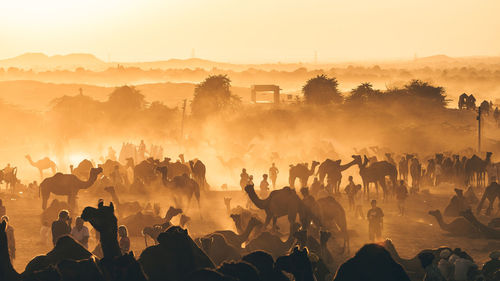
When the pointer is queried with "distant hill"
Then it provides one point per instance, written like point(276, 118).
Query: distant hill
point(40, 61)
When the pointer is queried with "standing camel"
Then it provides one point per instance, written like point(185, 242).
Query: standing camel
point(199, 173)
point(375, 173)
point(66, 184)
point(301, 172)
point(475, 167)
point(492, 192)
point(333, 170)
point(182, 187)
point(43, 164)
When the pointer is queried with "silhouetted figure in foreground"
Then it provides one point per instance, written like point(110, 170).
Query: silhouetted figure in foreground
point(491, 266)
point(3, 211)
point(375, 218)
point(61, 227)
point(124, 240)
point(273, 174)
point(11, 241)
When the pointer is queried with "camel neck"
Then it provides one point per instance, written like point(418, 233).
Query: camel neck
point(109, 244)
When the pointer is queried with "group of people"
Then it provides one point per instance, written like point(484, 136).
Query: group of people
point(246, 179)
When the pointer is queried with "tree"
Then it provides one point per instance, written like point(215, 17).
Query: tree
point(363, 93)
point(212, 96)
point(321, 90)
point(424, 90)
point(126, 99)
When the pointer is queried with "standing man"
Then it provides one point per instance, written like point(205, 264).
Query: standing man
point(264, 186)
point(61, 227)
point(11, 242)
point(401, 194)
point(375, 218)
point(273, 174)
point(244, 177)
point(351, 191)
point(81, 233)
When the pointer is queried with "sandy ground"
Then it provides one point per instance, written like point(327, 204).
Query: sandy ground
point(410, 234)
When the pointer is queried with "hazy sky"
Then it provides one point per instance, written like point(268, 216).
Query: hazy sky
point(250, 31)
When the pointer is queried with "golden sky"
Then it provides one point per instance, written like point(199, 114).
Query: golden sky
point(251, 30)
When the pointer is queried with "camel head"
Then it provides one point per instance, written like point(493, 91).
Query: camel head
point(172, 212)
point(176, 237)
point(95, 171)
point(28, 156)
point(102, 218)
point(488, 156)
point(357, 160)
point(249, 188)
point(435, 213)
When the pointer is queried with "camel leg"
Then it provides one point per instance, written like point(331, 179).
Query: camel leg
point(275, 226)
point(268, 220)
point(45, 198)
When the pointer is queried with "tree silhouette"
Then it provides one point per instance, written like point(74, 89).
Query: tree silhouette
point(363, 93)
point(126, 99)
point(321, 90)
point(213, 95)
point(424, 90)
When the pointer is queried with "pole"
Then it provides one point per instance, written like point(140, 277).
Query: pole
point(479, 130)
point(182, 122)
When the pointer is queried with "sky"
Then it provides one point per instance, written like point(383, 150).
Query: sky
point(253, 31)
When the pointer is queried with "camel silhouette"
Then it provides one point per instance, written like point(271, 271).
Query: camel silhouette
point(66, 184)
point(282, 202)
point(144, 171)
point(218, 249)
point(333, 170)
point(458, 227)
point(109, 167)
point(82, 171)
point(174, 258)
point(7, 271)
point(492, 192)
point(475, 168)
point(486, 231)
point(199, 173)
point(298, 264)
point(301, 172)
point(236, 240)
point(332, 216)
point(371, 263)
point(182, 188)
point(272, 243)
point(123, 208)
point(155, 230)
point(375, 173)
point(43, 164)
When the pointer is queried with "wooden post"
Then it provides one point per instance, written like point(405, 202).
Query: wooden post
point(182, 122)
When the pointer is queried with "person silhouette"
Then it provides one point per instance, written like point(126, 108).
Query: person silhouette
point(375, 218)
point(273, 174)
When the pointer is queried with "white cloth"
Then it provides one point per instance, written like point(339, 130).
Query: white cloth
point(462, 266)
point(78, 235)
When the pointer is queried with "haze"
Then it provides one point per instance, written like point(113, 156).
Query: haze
point(251, 31)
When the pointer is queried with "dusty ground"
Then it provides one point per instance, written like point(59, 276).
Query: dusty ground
point(411, 233)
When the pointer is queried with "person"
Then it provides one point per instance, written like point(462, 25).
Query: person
point(11, 241)
point(243, 178)
point(463, 264)
point(375, 218)
point(62, 226)
point(491, 266)
point(444, 265)
point(8, 169)
point(273, 174)
point(264, 186)
point(3, 211)
point(81, 233)
point(124, 240)
point(351, 191)
point(432, 273)
point(401, 194)
point(116, 177)
point(315, 186)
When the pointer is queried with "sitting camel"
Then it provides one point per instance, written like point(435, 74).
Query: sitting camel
point(43, 164)
point(235, 240)
point(155, 230)
point(487, 232)
point(137, 222)
point(272, 243)
point(282, 202)
point(218, 249)
point(66, 184)
point(459, 226)
point(371, 263)
point(123, 208)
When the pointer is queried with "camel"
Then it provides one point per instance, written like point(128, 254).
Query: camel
point(476, 167)
point(137, 222)
point(182, 187)
point(492, 192)
point(332, 215)
point(43, 164)
point(412, 266)
point(236, 240)
point(144, 171)
point(377, 264)
point(301, 172)
point(272, 243)
point(199, 173)
point(155, 230)
point(109, 166)
point(487, 232)
point(485, 107)
point(298, 264)
point(457, 204)
point(333, 170)
point(458, 227)
point(375, 173)
point(66, 184)
point(177, 169)
point(82, 171)
point(174, 258)
point(218, 249)
point(123, 208)
point(50, 214)
point(282, 202)
point(462, 100)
